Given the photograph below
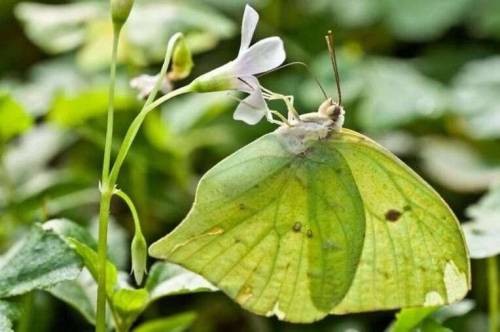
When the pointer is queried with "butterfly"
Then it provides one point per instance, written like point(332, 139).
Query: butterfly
point(315, 219)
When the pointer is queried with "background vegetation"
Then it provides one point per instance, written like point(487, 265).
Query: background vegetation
point(421, 77)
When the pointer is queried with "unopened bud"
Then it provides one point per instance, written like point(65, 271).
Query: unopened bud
point(182, 61)
point(139, 256)
point(120, 9)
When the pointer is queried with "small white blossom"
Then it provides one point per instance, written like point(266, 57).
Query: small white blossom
point(145, 84)
point(239, 74)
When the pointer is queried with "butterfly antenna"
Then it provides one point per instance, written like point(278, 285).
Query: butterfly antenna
point(303, 65)
point(333, 59)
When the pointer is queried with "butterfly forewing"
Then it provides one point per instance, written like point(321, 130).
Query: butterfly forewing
point(281, 233)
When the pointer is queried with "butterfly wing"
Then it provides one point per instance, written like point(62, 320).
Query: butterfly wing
point(414, 252)
point(280, 233)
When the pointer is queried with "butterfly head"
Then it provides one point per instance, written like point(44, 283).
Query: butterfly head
point(333, 111)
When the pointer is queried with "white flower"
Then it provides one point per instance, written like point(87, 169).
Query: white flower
point(239, 74)
point(145, 84)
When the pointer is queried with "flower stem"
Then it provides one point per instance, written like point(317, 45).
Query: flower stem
point(109, 129)
point(493, 292)
point(134, 128)
point(106, 192)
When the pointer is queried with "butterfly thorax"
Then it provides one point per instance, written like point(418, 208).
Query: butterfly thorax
point(311, 127)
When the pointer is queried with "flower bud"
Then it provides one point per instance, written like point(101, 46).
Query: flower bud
point(120, 9)
point(214, 80)
point(182, 62)
point(139, 256)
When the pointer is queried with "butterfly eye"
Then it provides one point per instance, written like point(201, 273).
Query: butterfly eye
point(336, 112)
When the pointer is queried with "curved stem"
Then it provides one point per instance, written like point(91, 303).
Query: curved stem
point(106, 194)
point(493, 293)
point(134, 128)
point(133, 210)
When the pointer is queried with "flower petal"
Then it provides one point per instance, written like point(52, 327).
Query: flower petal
point(250, 19)
point(262, 56)
point(253, 108)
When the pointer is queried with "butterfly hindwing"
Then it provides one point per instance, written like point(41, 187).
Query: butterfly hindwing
point(414, 252)
point(280, 233)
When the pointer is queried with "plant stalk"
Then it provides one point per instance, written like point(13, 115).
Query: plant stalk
point(493, 292)
point(109, 178)
point(106, 192)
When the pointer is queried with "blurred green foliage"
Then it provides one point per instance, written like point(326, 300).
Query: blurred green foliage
point(422, 77)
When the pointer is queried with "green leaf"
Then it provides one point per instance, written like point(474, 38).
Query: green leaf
point(79, 294)
point(431, 325)
point(167, 279)
point(118, 242)
point(57, 28)
point(471, 171)
point(175, 323)
point(8, 313)
point(424, 19)
point(483, 231)
point(395, 94)
point(409, 319)
point(129, 304)
point(297, 226)
point(13, 118)
point(74, 110)
point(475, 97)
point(41, 259)
point(90, 260)
point(68, 229)
point(485, 19)
point(359, 13)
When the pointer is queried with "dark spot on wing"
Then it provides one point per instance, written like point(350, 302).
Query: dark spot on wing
point(406, 208)
point(309, 233)
point(297, 226)
point(242, 206)
point(392, 215)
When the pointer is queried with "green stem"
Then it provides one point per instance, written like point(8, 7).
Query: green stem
point(112, 83)
point(134, 128)
point(109, 178)
point(133, 210)
point(102, 257)
point(106, 192)
point(493, 293)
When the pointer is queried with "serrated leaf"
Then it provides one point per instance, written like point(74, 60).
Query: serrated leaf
point(13, 118)
point(167, 279)
point(41, 259)
point(174, 323)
